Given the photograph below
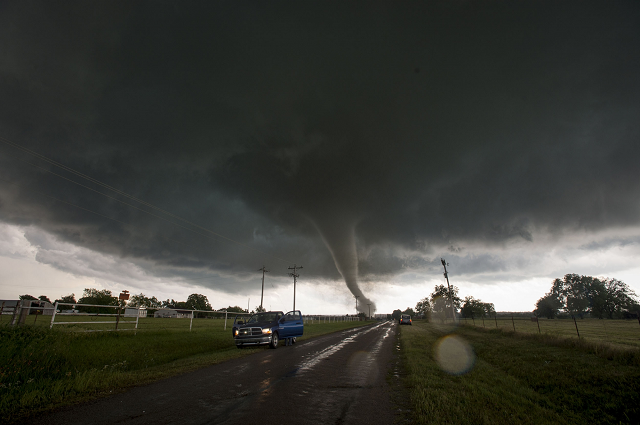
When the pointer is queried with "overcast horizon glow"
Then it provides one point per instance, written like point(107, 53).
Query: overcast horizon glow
point(56, 269)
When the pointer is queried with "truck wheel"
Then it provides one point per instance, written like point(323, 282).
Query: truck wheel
point(274, 340)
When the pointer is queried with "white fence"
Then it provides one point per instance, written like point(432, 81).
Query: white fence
point(130, 316)
point(320, 318)
point(119, 317)
point(122, 318)
point(20, 309)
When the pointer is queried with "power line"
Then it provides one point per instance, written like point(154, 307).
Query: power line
point(118, 221)
point(148, 204)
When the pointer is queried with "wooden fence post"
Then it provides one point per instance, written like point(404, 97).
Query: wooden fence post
point(117, 318)
point(513, 323)
point(576, 323)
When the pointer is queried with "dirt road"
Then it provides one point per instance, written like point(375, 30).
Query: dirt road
point(333, 379)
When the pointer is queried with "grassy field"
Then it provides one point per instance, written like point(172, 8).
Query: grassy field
point(41, 369)
point(479, 376)
point(615, 332)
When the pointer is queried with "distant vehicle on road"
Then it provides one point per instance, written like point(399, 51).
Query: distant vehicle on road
point(405, 319)
point(267, 328)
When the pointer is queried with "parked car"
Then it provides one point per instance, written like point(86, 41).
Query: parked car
point(405, 319)
point(267, 328)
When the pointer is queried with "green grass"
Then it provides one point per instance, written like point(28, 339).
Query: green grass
point(41, 369)
point(615, 332)
point(519, 378)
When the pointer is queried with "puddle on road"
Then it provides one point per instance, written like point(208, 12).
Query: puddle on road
point(327, 352)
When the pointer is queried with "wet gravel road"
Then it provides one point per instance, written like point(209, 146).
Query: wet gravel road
point(333, 379)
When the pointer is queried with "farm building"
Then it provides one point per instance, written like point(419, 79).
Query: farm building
point(173, 313)
point(133, 312)
point(31, 306)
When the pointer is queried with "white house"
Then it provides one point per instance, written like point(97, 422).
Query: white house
point(173, 313)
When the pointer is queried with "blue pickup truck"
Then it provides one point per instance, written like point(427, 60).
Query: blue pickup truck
point(267, 328)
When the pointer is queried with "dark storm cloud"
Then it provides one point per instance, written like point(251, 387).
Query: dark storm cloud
point(283, 126)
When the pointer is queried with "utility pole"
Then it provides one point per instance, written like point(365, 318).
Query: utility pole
point(357, 296)
point(369, 311)
point(446, 275)
point(264, 270)
point(295, 276)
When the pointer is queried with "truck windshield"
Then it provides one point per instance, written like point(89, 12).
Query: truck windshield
point(263, 317)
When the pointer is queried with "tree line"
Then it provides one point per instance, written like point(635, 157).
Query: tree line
point(439, 305)
point(105, 297)
point(573, 295)
point(582, 296)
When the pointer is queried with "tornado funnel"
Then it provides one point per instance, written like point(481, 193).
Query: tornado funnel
point(338, 234)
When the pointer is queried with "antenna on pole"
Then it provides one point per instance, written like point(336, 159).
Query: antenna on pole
point(295, 276)
point(264, 270)
point(446, 275)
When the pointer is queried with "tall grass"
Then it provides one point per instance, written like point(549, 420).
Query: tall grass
point(41, 369)
point(518, 378)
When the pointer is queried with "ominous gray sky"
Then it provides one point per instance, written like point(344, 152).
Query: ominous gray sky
point(381, 135)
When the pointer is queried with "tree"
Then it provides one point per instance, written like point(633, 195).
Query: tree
point(141, 300)
point(476, 308)
point(98, 297)
point(71, 299)
point(235, 309)
point(409, 311)
point(582, 295)
point(45, 298)
point(423, 308)
point(27, 297)
point(198, 302)
point(548, 306)
point(619, 298)
point(440, 300)
point(396, 314)
point(260, 309)
point(174, 304)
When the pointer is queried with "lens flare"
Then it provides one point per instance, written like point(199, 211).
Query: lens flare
point(454, 355)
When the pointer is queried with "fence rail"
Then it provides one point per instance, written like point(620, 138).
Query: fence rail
point(98, 321)
point(624, 332)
